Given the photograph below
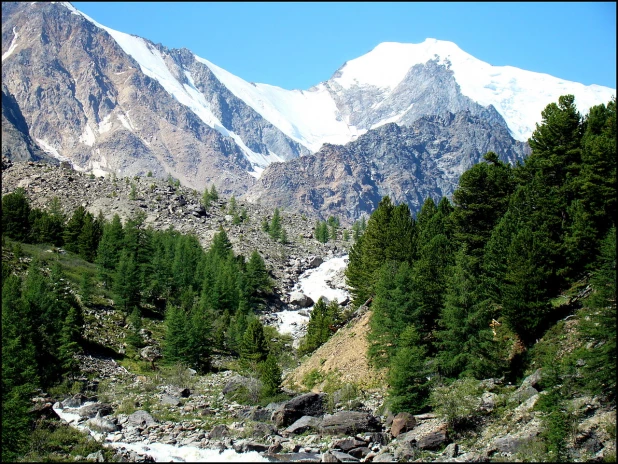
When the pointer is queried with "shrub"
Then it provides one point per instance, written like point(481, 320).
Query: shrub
point(312, 378)
point(459, 402)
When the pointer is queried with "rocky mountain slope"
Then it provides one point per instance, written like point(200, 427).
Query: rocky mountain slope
point(409, 164)
point(109, 102)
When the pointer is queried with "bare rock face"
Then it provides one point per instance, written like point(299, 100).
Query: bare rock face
point(76, 94)
point(409, 164)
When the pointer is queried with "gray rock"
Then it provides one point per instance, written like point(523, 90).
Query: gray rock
point(360, 452)
point(170, 400)
point(92, 410)
point(303, 424)
point(96, 457)
point(348, 443)
point(219, 431)
point(532, 380)
point(300, 299)
point(309, 404)
point(385, 457)
point(343, 457)
point(103, 425)
point(141, 418)
point(314, 261)
point(402, 422)
point(451, 450)
point(349, 422)
point(433, 440)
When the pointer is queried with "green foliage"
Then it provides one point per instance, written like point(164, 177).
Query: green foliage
point(254, 347)
point(275, 228)
point(312, 378)
point(319, 329)
point(408, 374)
point(134, 337)
point(598, 324)
point(15, 215)
point(321, 232)
point(459, 403)
point(270, 375)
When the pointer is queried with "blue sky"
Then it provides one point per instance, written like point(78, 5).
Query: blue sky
point(296, 45)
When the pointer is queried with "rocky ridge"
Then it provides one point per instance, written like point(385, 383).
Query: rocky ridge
point(410, 164)
point(166, 204)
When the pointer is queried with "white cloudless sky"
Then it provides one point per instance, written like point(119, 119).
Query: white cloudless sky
point(296, 45)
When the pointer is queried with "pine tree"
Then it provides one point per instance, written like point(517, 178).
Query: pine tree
point(270, 375)
point(199, 345)
point(19, 377)
point(258, 281)
point(393, 307)
point(175, 345)
point(481, 199)
point(409, 385)
point(87, 242)
point(15, 214)
point(254, 347)
point(134, 337)
point(214, 195)
point(274, 229)
point(69, 342)
point(598, 323)
point(108, 251)
point(73, 229)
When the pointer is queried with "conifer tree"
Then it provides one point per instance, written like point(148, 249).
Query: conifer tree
point(87, 241)
point(481, 199)
point(598, 323)
point(70, 336)
point(134, 337)
point(73, 229)
point(274, 229)
point(19, 377)
point(270, 375)
point(15, 214)
point(393, 307)
point(254, 347)
point(108, 251)
point(199, 340)
point(175, 345)
point(409, 385)
point(258, 280)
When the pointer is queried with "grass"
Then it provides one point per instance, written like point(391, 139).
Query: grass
point(53, 441)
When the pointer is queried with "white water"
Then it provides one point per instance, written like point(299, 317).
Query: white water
point(314, 283)
point(159, 451)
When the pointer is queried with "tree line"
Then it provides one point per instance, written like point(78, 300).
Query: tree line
point(466, 287)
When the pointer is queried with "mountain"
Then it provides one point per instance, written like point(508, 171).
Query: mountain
point(408, 163)
point(108, 101)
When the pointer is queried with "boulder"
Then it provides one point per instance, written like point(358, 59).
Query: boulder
point(300, 299)
point(219, 431)
point(402, 422)
point(343, 457)
point(433, 440)
point(314, 261)
point(170, 400)
point(103, 425)
point(385, 457)
point(349, 423)
point(309, 404)
point(303, 424)
point(74, 402)
point(150, 353)
point(91, 410)
point(260, 430)
point(141, 418)
point(360, 453)
point(532, 380)
point(348, 443)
